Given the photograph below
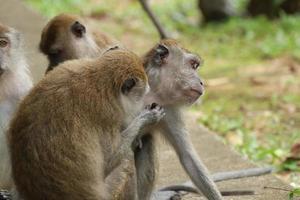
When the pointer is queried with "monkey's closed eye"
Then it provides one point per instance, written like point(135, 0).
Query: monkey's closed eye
point(3, 43)
point(78, 29)
point(128, 85)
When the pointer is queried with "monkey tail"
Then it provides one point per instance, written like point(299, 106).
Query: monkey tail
point(222, 176)
point(155, 21)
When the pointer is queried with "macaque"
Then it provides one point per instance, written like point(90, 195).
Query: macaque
point(68, 37)
point(174, 83)
point(15, 82)
point(73, 135)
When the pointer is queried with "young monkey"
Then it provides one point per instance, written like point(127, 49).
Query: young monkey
point(67, 140)
point(15, 82)
point(67, 37)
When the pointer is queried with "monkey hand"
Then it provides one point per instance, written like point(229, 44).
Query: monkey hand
point(152, 114)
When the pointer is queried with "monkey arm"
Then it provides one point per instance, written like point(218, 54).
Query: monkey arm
point(173, 129)
point(150, 115)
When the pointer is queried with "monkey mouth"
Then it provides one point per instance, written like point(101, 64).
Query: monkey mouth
point(192, 95)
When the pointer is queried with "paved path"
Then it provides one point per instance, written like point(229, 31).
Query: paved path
point(215, 154)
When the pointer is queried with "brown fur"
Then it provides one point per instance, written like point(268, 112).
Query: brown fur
point(68, 127)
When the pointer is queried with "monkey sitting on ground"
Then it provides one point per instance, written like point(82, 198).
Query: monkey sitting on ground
point(72, 136)
point(66, 38)
point(15, 82)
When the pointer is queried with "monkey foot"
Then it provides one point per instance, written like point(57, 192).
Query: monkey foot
point(5, 195)
point(166, 195)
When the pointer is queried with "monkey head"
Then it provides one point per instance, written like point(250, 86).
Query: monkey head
point(124, 79)
point(9, 46)
point(172, 74)
point(66, 37)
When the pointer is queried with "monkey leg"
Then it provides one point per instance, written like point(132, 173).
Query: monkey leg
point(146, 166)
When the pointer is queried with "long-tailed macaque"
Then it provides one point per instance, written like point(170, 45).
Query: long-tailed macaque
point(72, 135)
point(174, 83)
point(15, 82)
point(68, 37)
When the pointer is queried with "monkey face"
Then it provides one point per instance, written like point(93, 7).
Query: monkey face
point(173, 75)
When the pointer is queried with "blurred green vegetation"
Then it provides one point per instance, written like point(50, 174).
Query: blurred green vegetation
point(252, 68)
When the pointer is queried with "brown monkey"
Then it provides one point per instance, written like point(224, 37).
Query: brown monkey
point(15, 82)
point(67, 37)
point(72, 136)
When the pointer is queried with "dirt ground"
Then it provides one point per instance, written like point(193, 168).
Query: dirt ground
point(214, 153)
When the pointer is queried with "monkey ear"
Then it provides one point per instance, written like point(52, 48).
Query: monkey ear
point(128, 85)
point(78, 29)
point(161, 53)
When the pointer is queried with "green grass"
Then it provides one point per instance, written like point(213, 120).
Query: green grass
point(262, 120)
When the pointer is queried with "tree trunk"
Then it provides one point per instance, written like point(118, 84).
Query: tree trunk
point(216, 10)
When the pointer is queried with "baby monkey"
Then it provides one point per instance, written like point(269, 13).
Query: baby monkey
point(72, 136)
point(68, 37)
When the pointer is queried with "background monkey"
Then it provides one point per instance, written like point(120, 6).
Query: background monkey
point(67, 37)
point(15, 82)
point(67, 131)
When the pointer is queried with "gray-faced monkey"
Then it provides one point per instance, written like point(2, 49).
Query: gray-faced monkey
point(15, 82)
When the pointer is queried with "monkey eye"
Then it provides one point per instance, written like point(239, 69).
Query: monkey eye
point(195, 64)
point(3, 42)
point(128, 85)
point(78, 29)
